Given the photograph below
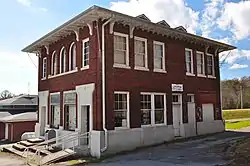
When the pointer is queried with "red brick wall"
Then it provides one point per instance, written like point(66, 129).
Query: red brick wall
point(136, 81)
point(2, 130)
point(132, 80)
point(18, 128)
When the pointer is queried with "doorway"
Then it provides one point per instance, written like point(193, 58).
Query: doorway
point(177, 113)
point(191, 114)
point(85, 122)
point(42, 120)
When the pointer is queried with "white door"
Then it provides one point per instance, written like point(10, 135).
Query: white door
point(208, 112)
point(177, 119)
point(192, 117)
point(43, 120)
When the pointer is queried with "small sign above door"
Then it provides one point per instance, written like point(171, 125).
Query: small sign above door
point(177, 87)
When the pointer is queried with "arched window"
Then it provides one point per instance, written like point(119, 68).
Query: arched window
point(54, 63)
point(72, 56)
point(62, 60)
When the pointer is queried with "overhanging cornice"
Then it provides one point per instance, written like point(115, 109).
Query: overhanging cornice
point(94, 13)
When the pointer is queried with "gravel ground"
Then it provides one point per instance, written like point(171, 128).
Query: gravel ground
point(209, 151)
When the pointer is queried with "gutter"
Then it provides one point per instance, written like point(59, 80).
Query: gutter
point(103, 87)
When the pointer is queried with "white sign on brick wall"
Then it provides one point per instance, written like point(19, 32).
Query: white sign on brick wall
point(177, 87)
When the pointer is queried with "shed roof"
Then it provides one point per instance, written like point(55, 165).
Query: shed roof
point(20, 100)
point(28, 116)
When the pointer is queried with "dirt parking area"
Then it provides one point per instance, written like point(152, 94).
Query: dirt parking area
point(7, 159)
point(208, 151)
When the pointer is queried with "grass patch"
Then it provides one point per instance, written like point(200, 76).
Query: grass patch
point(236, 114)
point(237, 124)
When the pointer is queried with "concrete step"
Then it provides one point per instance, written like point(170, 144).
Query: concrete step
point(19, 147)
point(26, 143)
point(35, 140)
point(53, 157)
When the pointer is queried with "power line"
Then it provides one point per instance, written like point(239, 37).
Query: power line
point(32, 61)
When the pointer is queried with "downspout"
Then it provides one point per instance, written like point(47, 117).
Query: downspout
point(103, 87)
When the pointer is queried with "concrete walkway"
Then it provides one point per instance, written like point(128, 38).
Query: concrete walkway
point(202, 152)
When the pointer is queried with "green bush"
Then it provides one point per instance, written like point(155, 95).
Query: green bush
point(236, 114)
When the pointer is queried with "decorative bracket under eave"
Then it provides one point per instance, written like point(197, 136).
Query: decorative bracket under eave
point(206, 49)
point(47, 49)
point(90, 26)
point(111, 27)
point(131, 31)
point(77, 34)
point(216, 51)
point(38, 53)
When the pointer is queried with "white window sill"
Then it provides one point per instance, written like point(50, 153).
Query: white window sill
point(160, 71)
point(201, 75)
point(162, 124)
point(213, 77)
point(142, 68)
point(190, 74)
point(121, 128)
point(153, 125)
point(121, 66)
point(85, 68)
point(61, 74)
point(145, 126)
point(43, 79)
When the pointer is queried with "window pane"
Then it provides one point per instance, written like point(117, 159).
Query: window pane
point(140, 53)
point(86, 53)
point(159, 101)
point(145, 117)
point(120, 50)
point(120, 110)
point(145, 109)
point(158, 56)
point(120, 118)
point(188, 57)
point(159, 116)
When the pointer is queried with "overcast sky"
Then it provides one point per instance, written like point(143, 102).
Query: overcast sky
point(24, 21)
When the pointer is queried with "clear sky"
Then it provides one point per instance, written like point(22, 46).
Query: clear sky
point(23, 21)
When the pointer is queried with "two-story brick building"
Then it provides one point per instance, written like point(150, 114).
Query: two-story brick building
point(127, 81)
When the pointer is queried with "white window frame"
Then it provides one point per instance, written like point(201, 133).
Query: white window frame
point(128, 110)
point(66, 92)
point(153, 109)
point(213, 66)
point(146, 53)
point(74, 57)
point(44, 72)
point(54, 63)
point(64, 60)
point(192, 63)
point(203, 67)
point(192, 98)
point(163, 70)
point(127, 51)
point(83, 59)
point(50, 117)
